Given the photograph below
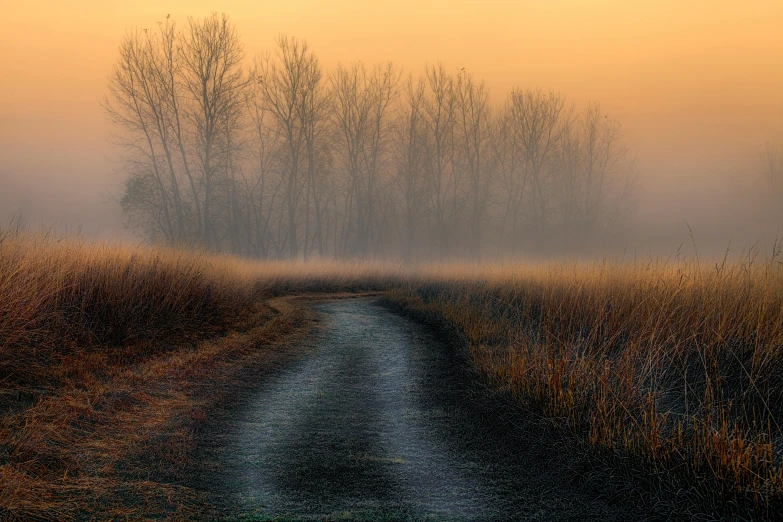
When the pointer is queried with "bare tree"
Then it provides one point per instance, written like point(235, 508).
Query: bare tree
point(360, 103)
point(234, 146)
point(134, 105)
point(439, 111)
point(313, 111)
point(154, 80)
point(412, 144)
point(383, 84)
point(211, 56)
point(169, 74)
point(513, 175)
point(474, 124)
point(541, 119)
point(281, 162)
point(604, 156)
point(571, 179)
point(351, 117)
point(291, 82)
point(262, 187)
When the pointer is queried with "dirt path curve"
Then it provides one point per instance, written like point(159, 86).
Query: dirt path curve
point(380, 421)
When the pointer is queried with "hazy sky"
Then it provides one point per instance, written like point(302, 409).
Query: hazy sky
point(697, 85)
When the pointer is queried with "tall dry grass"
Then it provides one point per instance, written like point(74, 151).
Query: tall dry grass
point(59, 296)
point(73, 315)
point(82, 323)
point(675, 366)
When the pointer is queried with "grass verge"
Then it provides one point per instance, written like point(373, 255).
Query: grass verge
point(671, 371)
point(110, 358)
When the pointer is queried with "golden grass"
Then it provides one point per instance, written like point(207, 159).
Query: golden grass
point(109, 358)
point(62, 296)
point(675, 366)
point(116, 450)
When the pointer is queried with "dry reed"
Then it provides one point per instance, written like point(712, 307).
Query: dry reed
point(674, 365)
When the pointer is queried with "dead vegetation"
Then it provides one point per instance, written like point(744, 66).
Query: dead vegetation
point(110, 358)
point(673, 368)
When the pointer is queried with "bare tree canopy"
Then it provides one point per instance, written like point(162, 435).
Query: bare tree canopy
point(280, 159)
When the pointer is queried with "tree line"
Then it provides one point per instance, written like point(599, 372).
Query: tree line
point(277, 158)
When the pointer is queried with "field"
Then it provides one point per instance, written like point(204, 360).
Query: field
point(112, 356)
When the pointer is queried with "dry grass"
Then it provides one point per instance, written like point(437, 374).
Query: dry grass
point(674, 367)
point(110, 357)
point(60, 297)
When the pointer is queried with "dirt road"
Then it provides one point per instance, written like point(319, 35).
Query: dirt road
point(380, 420)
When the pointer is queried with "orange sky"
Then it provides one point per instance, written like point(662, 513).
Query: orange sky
point(698, 85)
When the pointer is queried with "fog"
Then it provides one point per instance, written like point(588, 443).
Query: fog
point(697, 91)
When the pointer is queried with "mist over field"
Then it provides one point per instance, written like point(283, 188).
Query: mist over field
point(694, 90)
